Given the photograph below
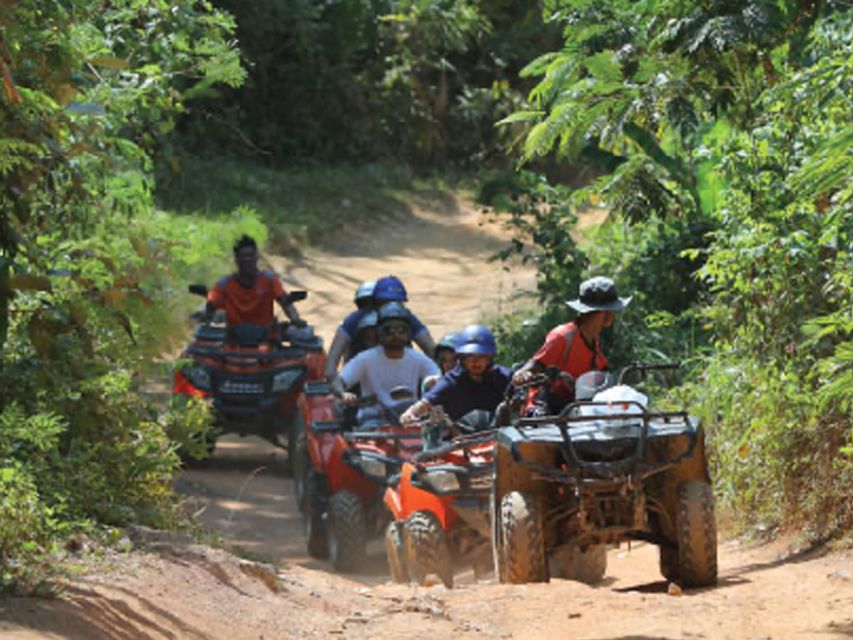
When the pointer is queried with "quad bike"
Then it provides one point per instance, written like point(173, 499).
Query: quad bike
point(342, 472)
point(440, 508)
point(251, 374)
point(602, 473)
point(440, 501)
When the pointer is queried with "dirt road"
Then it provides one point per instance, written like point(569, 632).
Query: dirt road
point(174, 589)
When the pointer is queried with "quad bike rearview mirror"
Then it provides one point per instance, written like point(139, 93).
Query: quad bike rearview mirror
point(198, 289)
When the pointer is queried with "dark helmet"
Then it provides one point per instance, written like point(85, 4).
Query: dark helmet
point(390, 289)
point(369, 319)
point(394, 311)
point(476, 339)
point(364, 291)
point(448, 341)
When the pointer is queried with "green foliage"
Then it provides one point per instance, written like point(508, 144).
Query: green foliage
point(87, 266)
point(419, 81)
point(298, 205)
point(722, 131)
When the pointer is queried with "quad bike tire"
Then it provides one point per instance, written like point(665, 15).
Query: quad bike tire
point(301, 467)
point(346, 532)
point(395, 548)
point(584, 565)
point(522, 539)
point(497, 541)
point(315, 527)
point(697, 534)
point(427, 550)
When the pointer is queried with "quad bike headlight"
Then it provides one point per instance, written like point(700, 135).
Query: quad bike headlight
point(284, 380)
point(442, 481)
point(199, 377)
point(373, 467)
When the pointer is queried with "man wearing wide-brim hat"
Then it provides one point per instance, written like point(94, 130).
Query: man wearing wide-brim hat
point(575, 347)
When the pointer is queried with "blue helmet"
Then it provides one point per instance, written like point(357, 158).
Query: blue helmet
point(364, 291)
point(390, 289)
point(476, 339)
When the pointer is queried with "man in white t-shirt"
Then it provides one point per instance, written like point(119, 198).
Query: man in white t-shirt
point(390, 365)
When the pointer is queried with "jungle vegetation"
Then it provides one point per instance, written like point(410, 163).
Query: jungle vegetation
point(716, 132)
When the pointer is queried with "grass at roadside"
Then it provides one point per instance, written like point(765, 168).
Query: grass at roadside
point(298, 205)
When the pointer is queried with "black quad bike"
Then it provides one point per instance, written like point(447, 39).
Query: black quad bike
point(602, 473)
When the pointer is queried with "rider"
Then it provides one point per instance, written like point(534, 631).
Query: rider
point(364, 295)
point(366, 336)
point(387, 289)
point(575, 347)
point(445, 352)
point(248, 294)
point(475, 383)
point(390, 365)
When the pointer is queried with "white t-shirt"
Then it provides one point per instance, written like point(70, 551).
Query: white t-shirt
point(378, 374)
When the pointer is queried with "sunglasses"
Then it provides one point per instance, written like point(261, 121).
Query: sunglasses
point(395, 330)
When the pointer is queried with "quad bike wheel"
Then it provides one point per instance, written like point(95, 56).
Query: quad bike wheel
point(315, 527)
point(697, 534)
point(522, 539)
point(426, 548)
point(497, 541)
point(347, 531)
point(584, 565)
point(396, 551)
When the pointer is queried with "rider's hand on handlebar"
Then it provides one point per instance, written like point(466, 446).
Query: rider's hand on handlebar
point(522, 376)
point(299, 322)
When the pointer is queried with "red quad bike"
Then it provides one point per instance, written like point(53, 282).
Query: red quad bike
point(440, 501)
point(252, 375)
point(346, 471)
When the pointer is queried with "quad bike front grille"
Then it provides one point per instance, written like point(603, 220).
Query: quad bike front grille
point(241, 387)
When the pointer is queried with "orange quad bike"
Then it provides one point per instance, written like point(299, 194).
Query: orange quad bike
point(440, 501)
point(252, 375)
point(440, 506)
point(345, 469)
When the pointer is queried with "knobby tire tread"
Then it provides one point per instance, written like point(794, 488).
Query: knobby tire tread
point(697, 534)
point(427, 550)
point(348, 531)
point(523, 539)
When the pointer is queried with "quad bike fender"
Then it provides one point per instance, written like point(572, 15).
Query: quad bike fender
point(342, 477)
point(512, 474)
point(414, 499)
point(316, 363)
point(182, 386)
point(393, 501)
point(316, 408)
point(320, 449)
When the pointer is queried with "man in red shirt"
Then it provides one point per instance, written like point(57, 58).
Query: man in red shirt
point(575, 347)
point(247, 296)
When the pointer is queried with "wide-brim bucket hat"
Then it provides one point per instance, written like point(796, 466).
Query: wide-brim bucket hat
point(598, 294)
